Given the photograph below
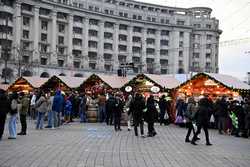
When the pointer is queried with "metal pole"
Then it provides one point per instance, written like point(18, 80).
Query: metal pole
point(6, 51)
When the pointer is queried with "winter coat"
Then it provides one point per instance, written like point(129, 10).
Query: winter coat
point(41, 105)
point(151, 113)
point(50, 102)
point(68, 107)
point(204, 111)
point(137, 106)
point(4, 104)
point(24, 105)
point(111, 104)
point(58, 102)
point(180, 106)
point(83, 104)
point(163, 104)
point(247, 116)
point(222, 108)
point(119, 106)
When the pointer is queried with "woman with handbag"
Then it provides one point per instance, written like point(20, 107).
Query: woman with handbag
point(13, 116)
point(41, 108)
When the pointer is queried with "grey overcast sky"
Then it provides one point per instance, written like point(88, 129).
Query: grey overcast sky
point(234, 17)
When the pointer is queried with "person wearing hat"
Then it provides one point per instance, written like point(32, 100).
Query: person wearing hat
point(23, 112)
point(5, 108)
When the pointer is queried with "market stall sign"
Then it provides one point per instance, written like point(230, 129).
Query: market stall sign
point(155, 89)
point(128, 88)
point(210, 82)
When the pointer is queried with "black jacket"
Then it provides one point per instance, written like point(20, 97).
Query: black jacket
point(151, 113)
point(4, 104)
point(137, 106)
point(111, 104)
point(204, 111)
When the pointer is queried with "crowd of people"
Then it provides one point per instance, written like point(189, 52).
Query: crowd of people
point(229, 116)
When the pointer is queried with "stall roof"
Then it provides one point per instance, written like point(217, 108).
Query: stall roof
point(72, 82)
point(35, 81)
point(229, 81)
point(113, 80)
point(226, 80)
point(165, 81)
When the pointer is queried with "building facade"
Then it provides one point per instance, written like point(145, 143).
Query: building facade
point(78, 36)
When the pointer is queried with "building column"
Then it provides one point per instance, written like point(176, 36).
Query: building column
point(174, 53)
point(70, 47)
point(143, 51)
point(17, 28)
point(157, 65)
point(36, 30)
point(53, 56)
point(116, 52)
point(100, 52)
point(186, 51)
point(130, 45)
point(85, 53)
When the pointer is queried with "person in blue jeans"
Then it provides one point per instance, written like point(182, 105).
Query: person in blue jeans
point(57, 106)
point(41, 107)
point(13, 117)
point(51, 113)
point(83, 108)
point(68, 109)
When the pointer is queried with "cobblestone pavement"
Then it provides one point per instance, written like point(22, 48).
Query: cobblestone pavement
point(98, 145)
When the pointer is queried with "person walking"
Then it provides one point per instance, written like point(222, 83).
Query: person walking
point(57, 106)
point(13, 116)
point(151, 114)
point(23, 112)
point(163, 109)
point(247, 119)
point(137, 106)
point(33, 100)
point(4, 109)
point(83, 108)
point(119, 104)
point(41, 108)
point(203, 114)
point(189, 116)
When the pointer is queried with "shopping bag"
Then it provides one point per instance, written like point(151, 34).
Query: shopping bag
point(166, 116)
point(179, 120)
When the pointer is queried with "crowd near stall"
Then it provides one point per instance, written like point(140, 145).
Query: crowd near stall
point(129, 100)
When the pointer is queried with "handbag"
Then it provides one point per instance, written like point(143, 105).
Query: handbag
point(179, 120)
point(166, 116)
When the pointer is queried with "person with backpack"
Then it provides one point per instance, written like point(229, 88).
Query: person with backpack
point(5, 108)
point(189, 117)
point(13, 116)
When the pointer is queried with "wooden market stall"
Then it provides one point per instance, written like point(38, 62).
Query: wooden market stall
point(213, 85)
point(26, 84)
point(97, 84)
point(63, 83)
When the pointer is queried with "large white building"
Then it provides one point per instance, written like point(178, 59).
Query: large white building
point(78, 36)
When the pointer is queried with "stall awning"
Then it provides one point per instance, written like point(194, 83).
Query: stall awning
point(72, 82)
point(114, 81)
point(165, 81)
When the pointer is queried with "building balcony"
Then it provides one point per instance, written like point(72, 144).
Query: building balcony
point(93, 38)
point(61, 56)
point(47, 17)
point(28, 40)
point(109, 51)
point(164, 66)
point(208, 50)
point(3, 22)
point(94, 27)
point(3, 36)
point(151, 55)
point(92, 60)
point(62, 20)
point(75, 35)
point(137, 54)
point(5, 8)
point(92, 49)
point(108, 40)
point(137, 44)
point(151, 35)
point(62, 45)
point(122, 42)
point(26, 12)
point(111, 30)
point(122, 52)
point(164, 37)
point(151, 46)
point(45, 54)
point(138, 34)
point(164, 46)
point(78, 24)
point(108, 61)
point(77, 47)
point(125, 32)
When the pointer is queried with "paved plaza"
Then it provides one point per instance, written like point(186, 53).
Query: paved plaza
point(98, 145)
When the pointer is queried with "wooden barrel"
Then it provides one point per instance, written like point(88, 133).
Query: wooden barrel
point(124, 119)
point(92, 113)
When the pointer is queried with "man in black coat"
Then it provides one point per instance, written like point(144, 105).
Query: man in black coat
point(119, 104)
point(4, 109)
point(110, 107)
point(203, 117)
point(137, 106)
point(151, 114)
point(222, 109)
